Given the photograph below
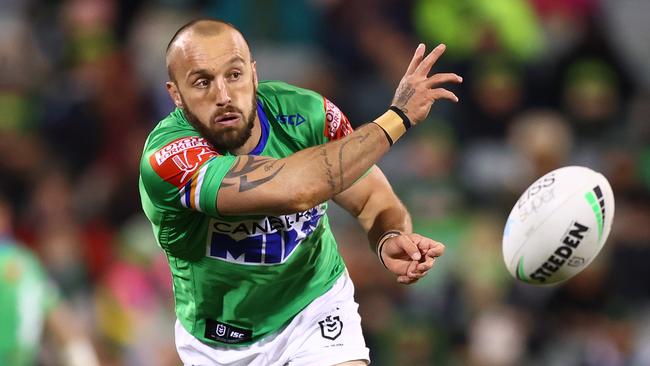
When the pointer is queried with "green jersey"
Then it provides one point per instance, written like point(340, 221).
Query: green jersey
point(26, 296)
point(237, 279)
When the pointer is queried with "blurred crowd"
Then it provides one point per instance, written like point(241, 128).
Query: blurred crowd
point(548, 83)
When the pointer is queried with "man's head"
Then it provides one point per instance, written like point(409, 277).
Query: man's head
point(214, 81)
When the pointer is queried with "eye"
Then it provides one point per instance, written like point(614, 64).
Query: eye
point(235, 75)
point(202, 83)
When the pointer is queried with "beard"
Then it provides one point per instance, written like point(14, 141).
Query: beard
point(228, 138)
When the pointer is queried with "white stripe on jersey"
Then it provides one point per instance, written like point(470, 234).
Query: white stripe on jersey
point(181, 192)
point(199, 184)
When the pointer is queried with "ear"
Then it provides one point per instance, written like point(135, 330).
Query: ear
point(253, 63)
point(172, 89)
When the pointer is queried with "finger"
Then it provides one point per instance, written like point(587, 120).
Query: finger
point(421, 269)
point(423, 273)
point(428, 247)
point(435, 250)
point(425, 246)
point(425, 66)
point(425, 266)
point(441, 93)
point(411, 270)
point(405, 280)
point(447, 77)
point(417, 58)
point(407, 245)
point(417, 275)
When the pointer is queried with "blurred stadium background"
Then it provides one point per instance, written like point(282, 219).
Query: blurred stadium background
point(547, 83)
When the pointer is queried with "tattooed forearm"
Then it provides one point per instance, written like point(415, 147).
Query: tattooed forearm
point(328, 167)
point(402, 95)
point(360, 140)
point(269, 166)
point(245, 185)
point(363, 138)
point(249, 165)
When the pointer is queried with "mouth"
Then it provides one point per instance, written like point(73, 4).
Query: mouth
point(228, 119)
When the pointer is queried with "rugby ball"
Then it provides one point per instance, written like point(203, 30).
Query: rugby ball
point(558, 225)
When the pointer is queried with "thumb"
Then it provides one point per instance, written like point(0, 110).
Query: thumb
point(406, 245)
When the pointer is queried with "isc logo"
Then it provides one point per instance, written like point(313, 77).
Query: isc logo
point(291, 119)
point(268, 241)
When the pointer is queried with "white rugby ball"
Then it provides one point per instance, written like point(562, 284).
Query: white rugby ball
point(558, 225)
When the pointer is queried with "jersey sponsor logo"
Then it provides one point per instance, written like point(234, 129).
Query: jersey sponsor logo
point(331, 327)
point(336, 123)
point(181, 145)
point(291, 119)
point(178, 163)
point(268, 241)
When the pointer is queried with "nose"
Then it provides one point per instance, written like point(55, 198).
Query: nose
point(222, 97)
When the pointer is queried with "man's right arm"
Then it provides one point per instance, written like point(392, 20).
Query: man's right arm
point(263, 185)
point(302, 180)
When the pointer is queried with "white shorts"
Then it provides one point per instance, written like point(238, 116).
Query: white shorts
point(326, 332)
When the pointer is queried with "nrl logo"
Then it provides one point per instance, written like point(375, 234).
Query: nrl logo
point(221, 330)
point(331, 327)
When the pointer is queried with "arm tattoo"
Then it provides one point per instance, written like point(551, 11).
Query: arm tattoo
point(402, 96)
point(269, 166)
point(359, 139)
point(250, 164)
point(328, 167)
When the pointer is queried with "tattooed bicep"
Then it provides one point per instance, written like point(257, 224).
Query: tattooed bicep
point(249, 172)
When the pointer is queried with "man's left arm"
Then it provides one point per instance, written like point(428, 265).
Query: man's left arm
point(388, 225)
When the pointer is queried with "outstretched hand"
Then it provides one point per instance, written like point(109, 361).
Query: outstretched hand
point(417, 91)
point(410, 256)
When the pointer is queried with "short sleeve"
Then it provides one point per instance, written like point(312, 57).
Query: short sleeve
point(335, 125)
point(185, 174)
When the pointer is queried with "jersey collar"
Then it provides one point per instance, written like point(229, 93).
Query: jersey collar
point(264, 122)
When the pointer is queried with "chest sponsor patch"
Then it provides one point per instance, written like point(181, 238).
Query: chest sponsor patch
point(336, 123)
point(177, 161)
point(268, 241)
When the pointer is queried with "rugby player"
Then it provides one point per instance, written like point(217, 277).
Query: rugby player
point(235, 182)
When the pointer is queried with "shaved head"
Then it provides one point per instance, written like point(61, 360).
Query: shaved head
point(213, 80)
point(203, 27)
